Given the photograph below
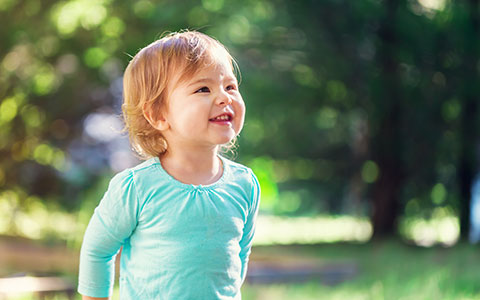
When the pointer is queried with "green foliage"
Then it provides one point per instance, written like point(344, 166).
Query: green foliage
point(322, 93)
point(263, 168)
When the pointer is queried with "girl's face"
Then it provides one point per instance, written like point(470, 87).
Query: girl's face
point(205, 110)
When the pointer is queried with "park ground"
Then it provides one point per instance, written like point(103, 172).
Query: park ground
point(389, 269)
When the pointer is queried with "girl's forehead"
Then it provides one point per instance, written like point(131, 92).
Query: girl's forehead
point(214, 70)
point(222, 69)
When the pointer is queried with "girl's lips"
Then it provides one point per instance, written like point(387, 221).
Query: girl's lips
point(225, 117)
point(222, 122)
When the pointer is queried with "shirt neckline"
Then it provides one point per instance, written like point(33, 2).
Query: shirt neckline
point(180, 184)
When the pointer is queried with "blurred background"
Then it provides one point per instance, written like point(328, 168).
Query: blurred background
point(362, 127)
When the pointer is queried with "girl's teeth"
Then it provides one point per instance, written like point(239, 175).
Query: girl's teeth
point(222, 118)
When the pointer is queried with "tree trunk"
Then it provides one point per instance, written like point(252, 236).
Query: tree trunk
point(386, 145)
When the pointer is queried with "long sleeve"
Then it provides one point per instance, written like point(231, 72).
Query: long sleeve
point(112, 223)
point(249, 229)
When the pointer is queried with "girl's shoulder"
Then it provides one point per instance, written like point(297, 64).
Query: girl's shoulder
point(125, 190)
point(130, 175)
point(238, 171)
point(236, 168)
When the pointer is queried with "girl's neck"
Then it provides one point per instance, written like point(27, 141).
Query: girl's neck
point(193, 167)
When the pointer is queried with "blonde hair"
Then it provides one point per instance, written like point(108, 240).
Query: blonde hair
point(152, 73)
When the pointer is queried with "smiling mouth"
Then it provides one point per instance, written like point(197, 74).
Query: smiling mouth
point(222, 118)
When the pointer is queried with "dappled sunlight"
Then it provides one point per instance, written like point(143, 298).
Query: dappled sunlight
point(102, 127)
point(310, 230)
point(18, 285)
point(68, 16)
point(433, 4)
point(443, 227)
point(33, 219)
point(428, 8)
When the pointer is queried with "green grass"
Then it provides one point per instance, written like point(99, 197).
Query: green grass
point(388, 270)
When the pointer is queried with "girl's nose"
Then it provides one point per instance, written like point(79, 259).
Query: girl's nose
point(224, 99)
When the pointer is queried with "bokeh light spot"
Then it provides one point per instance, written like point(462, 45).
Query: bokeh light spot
point(32, 116)
point(67, 64)
point(289, 202)
point(336, 90)
point(432, 4)
point(213, 5)
point(451, 110)
point(43, 154)
point(143, 9)
point(94, 57)
point(370, 171)
point(113, 27)
point(8, 110)
point(304, 169)
point(102, 127)
point(438, 194)
point(304, 75)
point(326, 118)
point(44, 81)
point(263, 10)
point(68, 16)
point(239, 29)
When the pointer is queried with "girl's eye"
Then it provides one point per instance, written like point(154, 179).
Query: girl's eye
point(203, 90)
point(231, 87)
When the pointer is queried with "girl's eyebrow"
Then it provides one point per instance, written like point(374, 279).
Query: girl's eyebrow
point(209, 80)
point(202, 80)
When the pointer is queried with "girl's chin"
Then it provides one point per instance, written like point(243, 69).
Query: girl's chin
point(225, 140)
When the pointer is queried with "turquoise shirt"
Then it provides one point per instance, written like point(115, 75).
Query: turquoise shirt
point(180, 241)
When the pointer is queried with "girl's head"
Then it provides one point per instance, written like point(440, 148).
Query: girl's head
point(175, 88)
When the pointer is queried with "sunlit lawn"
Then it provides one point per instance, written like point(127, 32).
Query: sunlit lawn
point(388, 270)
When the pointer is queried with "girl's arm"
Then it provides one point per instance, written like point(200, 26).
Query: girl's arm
point(249, 228)
point(93, 298)
point(112, 223)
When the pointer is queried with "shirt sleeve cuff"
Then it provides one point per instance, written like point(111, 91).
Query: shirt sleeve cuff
point(97, 292)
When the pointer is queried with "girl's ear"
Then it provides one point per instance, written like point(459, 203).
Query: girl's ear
point(157, 120)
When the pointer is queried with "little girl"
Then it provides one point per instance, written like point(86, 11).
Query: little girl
point(185, 217)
